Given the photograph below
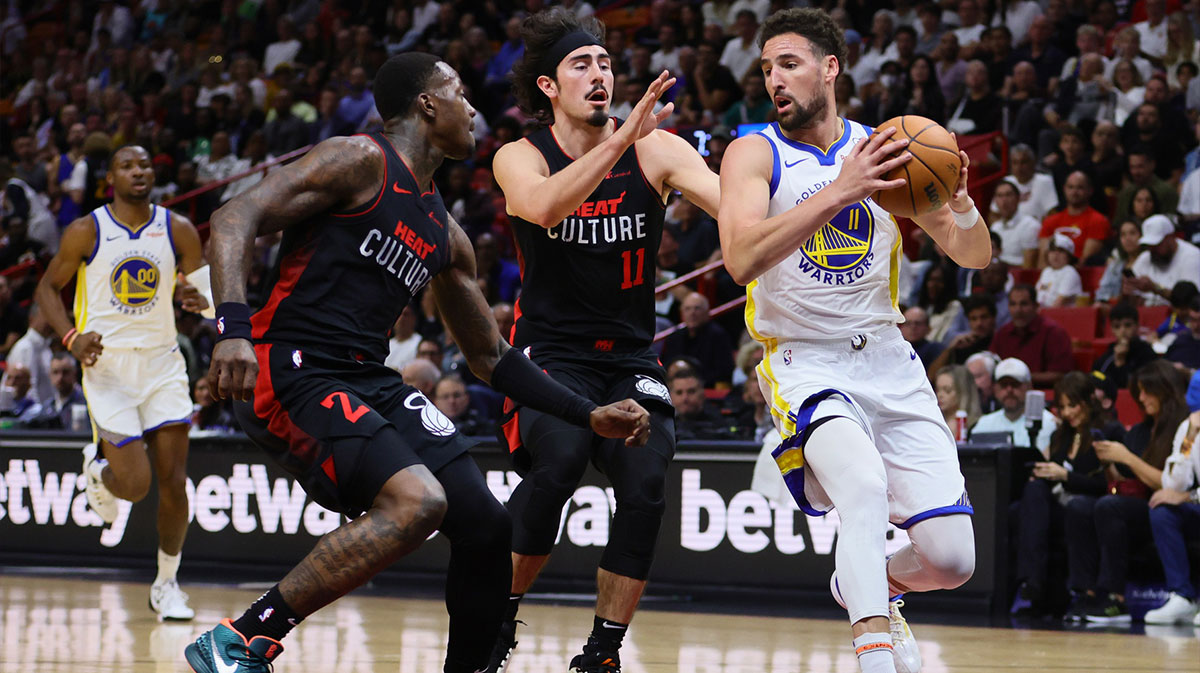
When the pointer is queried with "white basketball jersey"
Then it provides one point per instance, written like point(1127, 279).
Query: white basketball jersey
point(843, 280)
point(124, 291)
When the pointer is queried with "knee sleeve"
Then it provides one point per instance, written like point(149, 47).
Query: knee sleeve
point(941, 556)
point(638, 477)
point(560, 454)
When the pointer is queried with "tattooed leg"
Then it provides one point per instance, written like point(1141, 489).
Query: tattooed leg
point(409, 507)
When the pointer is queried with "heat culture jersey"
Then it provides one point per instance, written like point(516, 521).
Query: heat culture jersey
point(590, 278)
point(344, 277)
point(124, 290)
point(843, 280)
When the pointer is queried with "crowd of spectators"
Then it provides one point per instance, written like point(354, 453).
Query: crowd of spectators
point(1098, 100)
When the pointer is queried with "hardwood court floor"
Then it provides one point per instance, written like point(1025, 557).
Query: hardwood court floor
point(54, 625)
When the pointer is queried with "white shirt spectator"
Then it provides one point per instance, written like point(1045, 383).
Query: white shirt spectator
point(1126, 103)
point(1185, 265)
point(969, 34)
point(208, 170)
point(1018, 234)
point(1189, 195)
point(663, 60)
point(739, 58)
point(33, 351)
point(1055, 283)
point(401, 353)
point(759, 7)
point(1144, 68)
point(1154, 38)
point(1182, 470)
point(280, 52)
point(249, 181)
point(205, 95)
point(998, 422)
point(581, 10)
point(160, 193)
point(119, 25)
point(1018, 17)
point(1038, 196)
point(423, 17)
point(1068, 69)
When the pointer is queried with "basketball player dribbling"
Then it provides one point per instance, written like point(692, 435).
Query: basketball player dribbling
point(861, 426)
point(586, 196)
point(124, 257)
point(364, 230)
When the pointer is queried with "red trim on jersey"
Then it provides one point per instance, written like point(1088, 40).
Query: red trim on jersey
point(290, 270)
point(432, 187)
point(512, 333)
point(327, 466)
point(512, 427)
point(382, 188)
point(657, 192)
point(558, 144)
point(268, 408)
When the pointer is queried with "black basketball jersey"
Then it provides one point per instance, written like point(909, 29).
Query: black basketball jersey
point(590, 279)
point(344, 277)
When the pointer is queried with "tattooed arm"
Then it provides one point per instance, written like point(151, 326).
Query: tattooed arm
point(464, 308)
point(339, 173)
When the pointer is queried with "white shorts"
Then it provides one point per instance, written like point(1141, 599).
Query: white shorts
point(878, 382)
point(137, 390)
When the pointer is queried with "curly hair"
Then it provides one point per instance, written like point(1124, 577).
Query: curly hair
point(539, 32)
point(815, 25)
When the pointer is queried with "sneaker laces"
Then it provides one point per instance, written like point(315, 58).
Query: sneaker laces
point(245, 656)
point(897, 624)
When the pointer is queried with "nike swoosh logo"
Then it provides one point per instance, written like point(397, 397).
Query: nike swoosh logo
point(789, 164)
point(219, 661)
point(396, 188)
point(112, 238)
point(912, 356)
point(611, 626)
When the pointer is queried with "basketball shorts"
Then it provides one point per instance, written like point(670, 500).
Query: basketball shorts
point(343, 427)
point(879, 382)
point(132, 391)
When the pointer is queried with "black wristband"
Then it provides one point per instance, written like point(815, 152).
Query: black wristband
point(233, 321)
point(519, 378)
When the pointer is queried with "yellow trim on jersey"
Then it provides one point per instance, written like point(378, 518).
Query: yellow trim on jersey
point(894, 270)
point(792, 459)
point(779, 406)
point(81, 302)
point(845, 130)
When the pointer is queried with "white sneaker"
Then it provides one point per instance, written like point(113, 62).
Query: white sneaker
point(99, 498)
point(170, 602)
point(1177, 610)
point(1196, 620)
point(904, 644)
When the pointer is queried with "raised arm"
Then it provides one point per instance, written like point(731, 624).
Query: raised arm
point(751, 242)
point(532, 194)
point(683, 169)
point(971, 247)
point(77, 243)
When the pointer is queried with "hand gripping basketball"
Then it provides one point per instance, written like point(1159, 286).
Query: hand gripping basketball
point(234, 370)
point(622, 419)
point(864, 168)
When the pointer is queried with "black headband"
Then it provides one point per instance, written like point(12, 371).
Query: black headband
point(565, 45)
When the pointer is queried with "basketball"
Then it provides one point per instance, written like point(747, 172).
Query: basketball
point(931, 175)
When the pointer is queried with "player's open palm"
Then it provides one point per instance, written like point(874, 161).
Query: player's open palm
point(87, 348)
point(234, 370)
point(864, 168)
point(643, 119)
point(625, 419)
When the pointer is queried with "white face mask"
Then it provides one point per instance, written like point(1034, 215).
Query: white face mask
point(888, 81)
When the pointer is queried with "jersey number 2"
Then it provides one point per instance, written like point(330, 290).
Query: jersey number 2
point(634, 278)
point(351, 416)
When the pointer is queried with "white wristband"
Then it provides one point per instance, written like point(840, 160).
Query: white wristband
point(968, 219)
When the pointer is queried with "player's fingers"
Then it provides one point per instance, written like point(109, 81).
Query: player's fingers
point(665, 112)
point(249, 378)
point(889, 184)
point(890, 148)
point(886, 167)
point(879, 138)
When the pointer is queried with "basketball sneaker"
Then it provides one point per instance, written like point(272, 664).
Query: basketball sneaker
point(595, 660)
point(506, 642)
point(99, 498)
point(904, 645)
point(170, 602)
point(224, 650)
point(1177, 610)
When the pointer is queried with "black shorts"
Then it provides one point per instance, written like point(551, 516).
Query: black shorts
point(343, 427)
point(602, 377)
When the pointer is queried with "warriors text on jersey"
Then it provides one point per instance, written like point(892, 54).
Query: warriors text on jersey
point(124, 290)
point(843, 280)
point(344, 277)
point(590, 278)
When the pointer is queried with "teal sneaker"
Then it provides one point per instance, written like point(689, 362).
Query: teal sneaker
point(224, 650)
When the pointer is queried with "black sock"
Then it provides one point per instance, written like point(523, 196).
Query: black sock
point(608, 634)
point(270, 616)
point(514, 602)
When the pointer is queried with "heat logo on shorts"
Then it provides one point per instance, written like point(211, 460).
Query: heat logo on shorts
point(134, 282)
point(844, 242)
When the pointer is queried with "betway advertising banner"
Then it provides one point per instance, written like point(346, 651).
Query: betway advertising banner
point(245, 510)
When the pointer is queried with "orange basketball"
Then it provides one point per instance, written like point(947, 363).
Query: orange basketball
point(931, 175)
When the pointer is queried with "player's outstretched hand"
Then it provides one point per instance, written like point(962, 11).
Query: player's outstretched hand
point(622, 419)
point(642, 119)
point(234, 370)
point(864, 167)
point(86, 348)
point(192, 299)
point(960, 201)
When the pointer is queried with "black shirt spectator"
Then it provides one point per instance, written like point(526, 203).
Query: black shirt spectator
point(915, 329)
point(696, 235)
point(702, 339)
point(695, 416)
point(286, 132)
point(1128, 353)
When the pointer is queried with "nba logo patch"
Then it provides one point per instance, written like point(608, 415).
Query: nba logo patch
point(297, 359)
point(221, 325)
point(787, 357)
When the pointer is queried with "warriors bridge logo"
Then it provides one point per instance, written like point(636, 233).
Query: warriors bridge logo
point(839, 253)
point(134, 282)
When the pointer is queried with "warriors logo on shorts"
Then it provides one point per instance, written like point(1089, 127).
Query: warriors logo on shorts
point(842, 245)
point(134, 282)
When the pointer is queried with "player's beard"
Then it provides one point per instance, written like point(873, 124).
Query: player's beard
point(804, 115)
point(598, 118)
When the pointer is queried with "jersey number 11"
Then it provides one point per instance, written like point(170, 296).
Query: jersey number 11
point(636, 278)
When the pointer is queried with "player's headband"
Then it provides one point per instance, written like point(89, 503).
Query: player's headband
point(565, 45)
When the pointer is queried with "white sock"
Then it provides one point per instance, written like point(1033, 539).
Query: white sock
point(168, 566)
point(874, 651)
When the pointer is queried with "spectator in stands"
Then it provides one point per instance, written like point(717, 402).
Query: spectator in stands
point(55, 413)
point(1083, 224)
point(995, 282)
point(1012, 380)
point(1184, 351)
point(33, 351)
point(219, 163)
point(422, 375)
point(12, 319)
point(1129, 352)
point(694, 417)
point(286, 132)
point(754, 107)
point(1164, 261)
point(1120, 519)
point(939, 297)
point(355, 105)
point(1059, 283)
point(285, 48)
point(915, 329)
point(981, 320)
point(27, 167)
point(1108, 165)
point(254, 155)
point(1072, 156)
point(920, 93)
point(209, 415)
point(1046, 57)
point(16, 379)
point(1072, 469)
point(1143, 204)
point(1141, 165)
point(451, 398)
point(1082, 98)
point(979, 110)
point(1127, 45)
point(696, 233)
point(997, 54)
point(503, 313)
point(1018, 233)
point(710, 83)
point(1041, 344)
point(1038, 196)
point(503, 277)
point(982, 366)
point(403, 344)
point(1174, 519)
point(60, 171)
point(951, 69)
point(956, 391)
point(704, 340)
point(1119, 261)
point(971, 26)
point(929, 27)
point(741, 54)
point(1127, 90)
point(1153, 30)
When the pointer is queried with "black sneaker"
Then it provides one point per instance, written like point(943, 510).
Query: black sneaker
point(1081, 604)
point(506, 642)
point(596, 660)
point(1108, 611)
